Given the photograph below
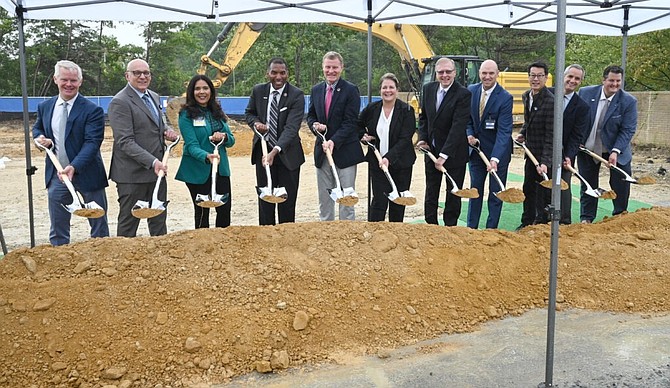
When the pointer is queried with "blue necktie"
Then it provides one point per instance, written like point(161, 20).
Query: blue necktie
point(150, 105)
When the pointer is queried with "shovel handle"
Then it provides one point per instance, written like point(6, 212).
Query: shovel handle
point(531, 157)
point(594, 155)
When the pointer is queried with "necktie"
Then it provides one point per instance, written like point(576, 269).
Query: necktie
point(59, 136)
point(482, 104)
point(273, 118)
point(329, 98)
point(598, 146)
point(150, 105)
point(440, 97)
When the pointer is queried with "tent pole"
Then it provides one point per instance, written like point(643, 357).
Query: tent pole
point(30, 169)
point(624, 44)
point(555, 207)
point(369, 21)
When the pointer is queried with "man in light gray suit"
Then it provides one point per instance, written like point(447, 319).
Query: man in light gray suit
point(139, 146)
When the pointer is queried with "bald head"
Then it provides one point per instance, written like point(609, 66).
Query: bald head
point(488, 73)
point(138, 74)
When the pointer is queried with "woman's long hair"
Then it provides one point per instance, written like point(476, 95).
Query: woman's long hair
point(193, 109)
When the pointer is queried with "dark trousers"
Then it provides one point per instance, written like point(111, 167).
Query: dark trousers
point(537, 197)
point(478, 176)
point(281, 177)
point(202, 213)
point(566, 199)
point(381, 186)
point(129, 194)
point(58, 195)
point(452, 204)
point(589, 169)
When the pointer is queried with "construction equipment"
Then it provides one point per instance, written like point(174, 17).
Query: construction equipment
point(417, 57)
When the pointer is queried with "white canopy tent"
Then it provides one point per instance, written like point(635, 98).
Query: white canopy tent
point(593, 17)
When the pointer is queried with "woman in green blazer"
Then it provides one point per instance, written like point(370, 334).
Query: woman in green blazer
point(202, 124)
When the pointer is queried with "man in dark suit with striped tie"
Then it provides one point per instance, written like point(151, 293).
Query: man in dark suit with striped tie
point(276, 109)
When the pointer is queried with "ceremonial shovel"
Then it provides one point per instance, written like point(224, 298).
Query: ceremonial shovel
point(346, 196)
point(596, 193)
point(77, 207)
point(214, 199)
point(267, 193)
point(546, 182)
point(145, 209)
point(463, 193)
point(645, 180)
point(405, 198)
point(511, 195)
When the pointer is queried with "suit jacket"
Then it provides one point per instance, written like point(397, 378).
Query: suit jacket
point(83, 136)
point(495, 142)
point(620, 120)
point(291, 113)
point(403, 125)
point(575, 126)
point(538, 124)
point(194, 167)
point(138, 139)
point(342, 123)
point(444, 129)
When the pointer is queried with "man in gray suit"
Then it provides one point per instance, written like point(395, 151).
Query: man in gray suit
point(139, 145)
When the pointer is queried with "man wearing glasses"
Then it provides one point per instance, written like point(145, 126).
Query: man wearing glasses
point(445, 112)
point(139, 145)
point(537, 132)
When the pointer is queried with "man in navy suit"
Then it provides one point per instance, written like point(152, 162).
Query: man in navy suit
point(610, 136)
point(339, 121)
point(445, 113)
point(286, 156)
point(490, 125)
point(77, 147)
point(575, 130)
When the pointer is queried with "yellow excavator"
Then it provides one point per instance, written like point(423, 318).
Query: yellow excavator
point(416, 54)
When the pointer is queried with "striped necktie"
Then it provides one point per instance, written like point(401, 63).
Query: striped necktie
point(273, 119)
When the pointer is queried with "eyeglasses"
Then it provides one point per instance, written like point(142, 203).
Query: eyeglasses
point(138, 73)
point(536, 76)
point(446, 71)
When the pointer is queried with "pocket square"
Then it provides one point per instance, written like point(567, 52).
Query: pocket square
point(283, 109)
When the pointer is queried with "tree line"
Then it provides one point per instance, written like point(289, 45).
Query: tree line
point(174, 49)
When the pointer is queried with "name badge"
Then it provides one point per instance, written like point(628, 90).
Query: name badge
point(199, 122)
point(490, 125)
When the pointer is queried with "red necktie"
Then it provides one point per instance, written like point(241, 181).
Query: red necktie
point(329, 98)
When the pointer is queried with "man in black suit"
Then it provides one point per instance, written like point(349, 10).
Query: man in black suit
point(339, 121)
point(286, 155)
point(445, 112)
point(575, 131)
point(538, 134)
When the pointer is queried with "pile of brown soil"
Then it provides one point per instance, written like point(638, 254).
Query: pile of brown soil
point(200, 307)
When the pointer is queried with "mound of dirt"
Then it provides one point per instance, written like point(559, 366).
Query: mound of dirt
point(201, 307)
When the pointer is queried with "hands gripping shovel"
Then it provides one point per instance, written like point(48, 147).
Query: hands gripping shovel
point(267, 193)
point(345, 196)
point(77, 207)
point(404, 198)
point(146, 209)
point(645, 180)
point(546, 183)
point(213, 199)
point(511, 195)
point(463, 193)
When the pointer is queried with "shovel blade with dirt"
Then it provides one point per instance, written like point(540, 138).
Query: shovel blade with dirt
point(343, 195)
point(644, 180)
point(463, 193)
point(404, 198)
point(77, 207)
point(154, 207)
point(595, 193)
point(213, 199)
point(546, 182)
point(268, 193)
point(510, 195)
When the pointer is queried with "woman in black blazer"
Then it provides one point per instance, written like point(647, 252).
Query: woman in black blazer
point(389, 124)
